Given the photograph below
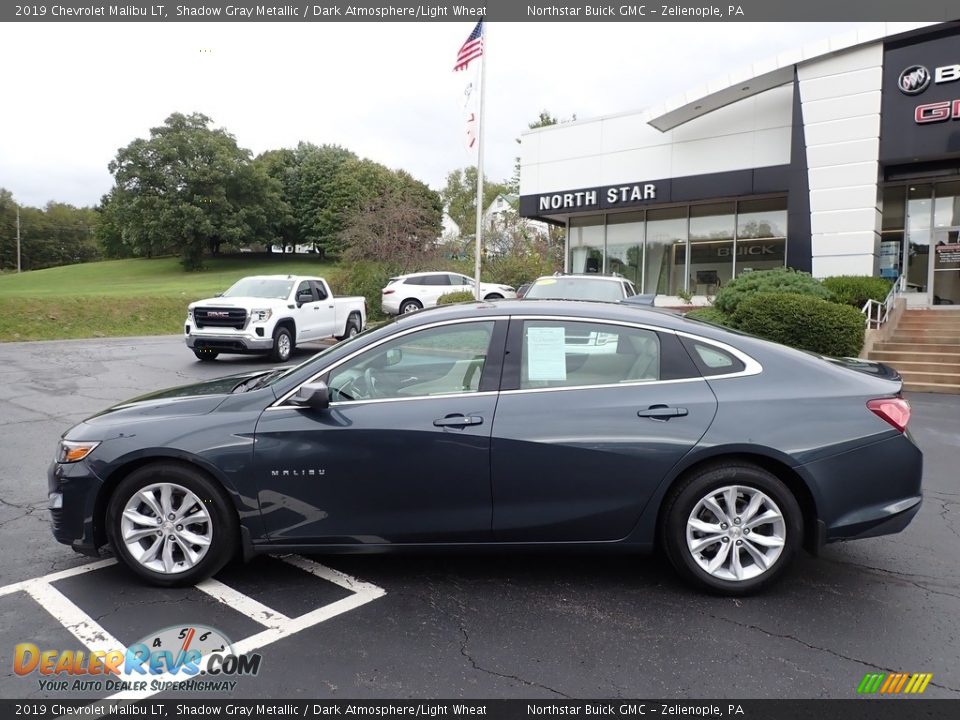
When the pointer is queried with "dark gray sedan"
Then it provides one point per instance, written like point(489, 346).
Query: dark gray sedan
point(512, 425)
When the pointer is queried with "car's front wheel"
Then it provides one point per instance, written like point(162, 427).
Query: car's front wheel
point(282, 345)
point(494, 296)
point(171, 524)
point(205, 354)
point(731, 528)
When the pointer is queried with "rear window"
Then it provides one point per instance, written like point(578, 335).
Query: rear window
point(570, 288)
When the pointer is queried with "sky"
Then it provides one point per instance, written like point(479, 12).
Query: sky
point(78, 92)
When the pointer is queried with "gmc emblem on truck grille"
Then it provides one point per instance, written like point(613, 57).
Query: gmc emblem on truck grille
point(217, 314)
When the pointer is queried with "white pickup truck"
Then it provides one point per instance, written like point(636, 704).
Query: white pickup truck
point(271, 314)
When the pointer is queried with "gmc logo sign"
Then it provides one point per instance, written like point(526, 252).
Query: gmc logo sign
point(937, 112)
point(218, 314)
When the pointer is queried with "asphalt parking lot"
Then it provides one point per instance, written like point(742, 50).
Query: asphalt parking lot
point(526, 626)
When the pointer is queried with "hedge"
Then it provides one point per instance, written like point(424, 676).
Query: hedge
point(456, 297)
point(855, 290)
point(780, 280)
point(710, 315)
point(802, 321)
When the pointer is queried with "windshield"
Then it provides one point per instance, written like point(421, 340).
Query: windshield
point(571, 288)
point(276, 288)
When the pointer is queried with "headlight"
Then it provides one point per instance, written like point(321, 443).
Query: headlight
point(189, 313)
point(71, 452)
point(260, 315)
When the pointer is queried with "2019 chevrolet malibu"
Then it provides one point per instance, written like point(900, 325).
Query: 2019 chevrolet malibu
point(511, 425)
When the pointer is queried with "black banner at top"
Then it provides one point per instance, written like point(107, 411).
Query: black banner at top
point(493, 10)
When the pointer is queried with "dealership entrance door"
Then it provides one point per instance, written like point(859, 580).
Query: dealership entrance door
point(945, 266)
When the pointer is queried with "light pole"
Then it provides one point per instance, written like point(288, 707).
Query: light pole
point(18, 238)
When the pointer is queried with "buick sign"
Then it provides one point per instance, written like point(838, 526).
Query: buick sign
point(914, 80)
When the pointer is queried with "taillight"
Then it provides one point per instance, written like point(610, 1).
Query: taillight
point(387, 292)
point(895, 411)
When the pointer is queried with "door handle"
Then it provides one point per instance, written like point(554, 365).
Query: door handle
point(662, 412)
point(458, 421)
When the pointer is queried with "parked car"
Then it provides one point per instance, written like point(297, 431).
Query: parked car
point(608, 288)
point(271, 314)
point(406, 293)
point(481, 424)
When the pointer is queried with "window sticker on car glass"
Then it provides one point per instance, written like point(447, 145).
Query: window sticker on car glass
point(546, 353)
point(546, 281)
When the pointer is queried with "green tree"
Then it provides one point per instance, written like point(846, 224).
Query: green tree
point(545, 119)
point(189, 189)
point(459, 196)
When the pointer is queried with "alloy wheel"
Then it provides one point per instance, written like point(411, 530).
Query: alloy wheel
point(736, 533)
point(166, 528)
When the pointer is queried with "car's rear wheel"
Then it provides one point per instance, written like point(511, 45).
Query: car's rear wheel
point(409, 306)
point(353, 328)
point(171, 524)
point(282, 345)
point(205, 354)
point(494, 296)
point(731, 528)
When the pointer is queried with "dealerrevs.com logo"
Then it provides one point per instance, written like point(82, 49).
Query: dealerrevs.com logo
point(914, 80)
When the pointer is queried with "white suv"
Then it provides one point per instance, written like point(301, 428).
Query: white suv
point(406, 293)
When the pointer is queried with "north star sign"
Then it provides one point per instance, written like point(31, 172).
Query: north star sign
point(615, 195)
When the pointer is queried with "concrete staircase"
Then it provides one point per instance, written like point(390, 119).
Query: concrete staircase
point(925, 349)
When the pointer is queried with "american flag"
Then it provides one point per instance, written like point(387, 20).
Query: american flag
point(471, 49)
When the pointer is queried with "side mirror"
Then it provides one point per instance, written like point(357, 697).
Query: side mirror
point(304, 298)
point(394, 356)
point(312, 395)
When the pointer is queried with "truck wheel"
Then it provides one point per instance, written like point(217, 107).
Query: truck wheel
point(282, 345)
point(410, 306)
point(494, 296)
point(353, 327)
point(205, 354)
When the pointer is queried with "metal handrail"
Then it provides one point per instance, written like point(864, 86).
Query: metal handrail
point(876, 313)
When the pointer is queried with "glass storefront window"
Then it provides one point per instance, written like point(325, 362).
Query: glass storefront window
point(711, 247)
point(625, 245)
point(891, 237)
point(586, 244)
point(665, 261)
point(946, 210)
point(919, 212)
point(765, 218)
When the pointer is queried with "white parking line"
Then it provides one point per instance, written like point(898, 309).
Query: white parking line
point(278, 626)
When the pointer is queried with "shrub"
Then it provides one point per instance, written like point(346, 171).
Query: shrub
point(855, 290)
point(456, 297)
point(781, 280)
point(362, 278)
point(710, 315)
point(515, 270)
point(802, 321)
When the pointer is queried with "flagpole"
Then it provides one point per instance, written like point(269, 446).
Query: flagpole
point(480, 208)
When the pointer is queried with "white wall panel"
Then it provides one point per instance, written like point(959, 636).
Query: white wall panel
point(843, 62)
point(855, 128)
point(829, 265)
point(837, 176)
point(845, 221)
point(857, 196)
point(653, 163)
point(840, 108)
point(835, 86)
point(852, 151)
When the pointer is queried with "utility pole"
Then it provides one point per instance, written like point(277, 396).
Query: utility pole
point(18, 238)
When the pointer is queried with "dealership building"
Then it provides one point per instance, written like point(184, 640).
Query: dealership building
point(841, 158)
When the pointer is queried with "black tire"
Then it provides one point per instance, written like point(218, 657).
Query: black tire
point(494, 296)
point(223, 523)
point(410, 305)
point(205, 354)
point(282, 344)
point(353, 327)
point(748, 481)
